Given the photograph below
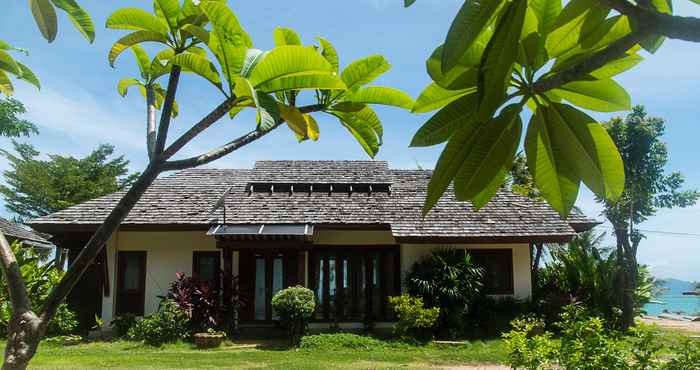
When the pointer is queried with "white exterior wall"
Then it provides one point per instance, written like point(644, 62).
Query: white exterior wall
point(522, 284)
point(171, 252)
point(166, 254)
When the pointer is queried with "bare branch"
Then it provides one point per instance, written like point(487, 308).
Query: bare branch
point(13, 277)
point(615, 50)
point(195, 130)
point(231, 146)
point(672, 26)
point(98, 241)
point(165, 115)
point(150, 122)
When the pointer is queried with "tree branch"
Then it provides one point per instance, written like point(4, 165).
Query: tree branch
point(231, 146)
point(13, 277)
point(98, 241)
point(195, 130)
point(165, 115)
point(673, 26)
point(150, 122)
point(589, 64)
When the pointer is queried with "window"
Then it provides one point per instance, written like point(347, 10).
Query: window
point(206, 266)
point(353, 283)
point(498, 269)
point(131, 282)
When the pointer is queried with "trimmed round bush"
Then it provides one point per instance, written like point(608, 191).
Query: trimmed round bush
point(295, 305)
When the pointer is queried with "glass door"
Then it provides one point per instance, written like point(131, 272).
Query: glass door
point(268, 273)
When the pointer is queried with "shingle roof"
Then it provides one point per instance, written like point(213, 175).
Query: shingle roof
point(188, 197)
point(14, 231)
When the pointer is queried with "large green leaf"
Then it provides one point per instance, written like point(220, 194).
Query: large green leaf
point(470, 21)
point(252, 58)
point(28, 75)
point(328, 51)
point(124, 85)
point(303, 82)
point(617, 66)
point(608, 32)
point(79, 17)
point(365, 127)
point(546, 12)
point(553, 175)
point(231, 58)
point(286, 36)
point(364, 71)
point(586, 146)
point(434, 97)
point(142, 60)
point(462, 76)
point(225, 24)
point(198, 65)
point(482, 198)
point(8, 64)
point(288, 61)
point(5, 84)
point(136, 19)
point(451, 159)
point(170, 10)
point(499, 57)
point(442, 124)
point(45, 18)
point(495, 148)
point(577, 22)
point(599, 95)
point(381, 95)
point(133, 39)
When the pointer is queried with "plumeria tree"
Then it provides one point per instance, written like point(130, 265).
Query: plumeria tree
point(206, 39)
point(502, 57)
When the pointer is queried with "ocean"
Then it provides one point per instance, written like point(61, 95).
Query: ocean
point(673, 299)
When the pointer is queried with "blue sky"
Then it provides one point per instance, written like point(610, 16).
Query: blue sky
point(79, 108)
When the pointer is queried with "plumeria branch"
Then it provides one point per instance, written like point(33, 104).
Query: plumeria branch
point(672, 26)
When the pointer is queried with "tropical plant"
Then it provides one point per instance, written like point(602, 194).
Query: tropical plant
point(415, 321)
point(199, 300)
point(122, 323)
point(11, 67)
point(448, 279)
point(267, 81)
point(39, 278)
point(647, 188)
point(504, 55)
point(295, 306)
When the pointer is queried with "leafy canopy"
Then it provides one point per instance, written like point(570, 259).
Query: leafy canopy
point(35, 187)
point(503, 56)
point(205, 38)
point(11, 125)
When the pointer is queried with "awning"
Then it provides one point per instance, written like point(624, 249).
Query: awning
point(263, 231)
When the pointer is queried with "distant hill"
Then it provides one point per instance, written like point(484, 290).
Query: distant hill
point(676, 286)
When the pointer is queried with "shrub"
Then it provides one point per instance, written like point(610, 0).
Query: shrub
point(587, 344)
point(122, 323)
point(415, 321)
point(198, 299)
point(339, 341)
point(686, 356)
point(294, 305)
point(447, 279)
point(529, 345)
point(39, 278)
point(489, 316)
point(169, 324)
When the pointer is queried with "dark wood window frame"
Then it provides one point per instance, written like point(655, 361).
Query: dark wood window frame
point(367, 256)
point(121, 270)
point(196, 255)
point(505, 257)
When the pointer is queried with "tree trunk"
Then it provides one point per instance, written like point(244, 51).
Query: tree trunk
point(626, 277)
point(26, 328)
point(150, 122)
point(536, 264)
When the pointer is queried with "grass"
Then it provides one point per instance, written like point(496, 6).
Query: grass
point(123, 355)
point(316, 353)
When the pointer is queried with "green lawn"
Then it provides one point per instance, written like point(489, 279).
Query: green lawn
point(386, 355)
point(122, 355)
